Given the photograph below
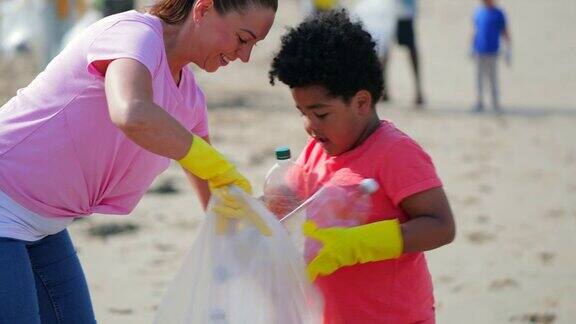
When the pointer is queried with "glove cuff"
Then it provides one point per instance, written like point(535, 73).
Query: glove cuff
point(381, 241)
point(204, 161)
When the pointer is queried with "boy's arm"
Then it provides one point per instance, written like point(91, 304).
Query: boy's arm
point(431, 223)
point(412, 184)
point(507, 41)
point(431, 226)
point(506, 35)
point(473, 34)
point(505, 29)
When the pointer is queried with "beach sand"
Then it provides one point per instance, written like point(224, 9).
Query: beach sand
point(511, 178)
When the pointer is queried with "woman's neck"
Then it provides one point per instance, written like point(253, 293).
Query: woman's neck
point(176, 58)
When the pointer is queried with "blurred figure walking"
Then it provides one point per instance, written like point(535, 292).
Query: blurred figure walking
point(313, 7)
point(111, 7)
point(406, 11)
point(489, 25)
point(52, 19)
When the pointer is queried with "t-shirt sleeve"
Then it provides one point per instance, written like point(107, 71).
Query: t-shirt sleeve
point(407, 170)
point(127, 39)
point(475, 19)
point(200, 127)
point(502, 21)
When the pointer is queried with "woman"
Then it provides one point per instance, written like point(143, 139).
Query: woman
point(93, 130)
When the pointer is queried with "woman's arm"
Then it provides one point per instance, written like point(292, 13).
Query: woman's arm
point(128, 87)
point(431, 223)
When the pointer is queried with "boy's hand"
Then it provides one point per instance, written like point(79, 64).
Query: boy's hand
point(348, 246)
point(230, 207)
point(203, 161)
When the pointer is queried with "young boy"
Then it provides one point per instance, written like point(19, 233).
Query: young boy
point(376, 272)
point(490, 25)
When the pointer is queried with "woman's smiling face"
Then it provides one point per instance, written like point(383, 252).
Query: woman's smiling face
point(221, 39)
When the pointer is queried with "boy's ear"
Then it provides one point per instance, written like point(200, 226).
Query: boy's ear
point(362, 101)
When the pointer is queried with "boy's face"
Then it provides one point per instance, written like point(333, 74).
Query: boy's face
point(335, 124)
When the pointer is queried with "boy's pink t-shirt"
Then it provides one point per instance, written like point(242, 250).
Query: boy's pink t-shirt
point(391, 291)
point(60, 154)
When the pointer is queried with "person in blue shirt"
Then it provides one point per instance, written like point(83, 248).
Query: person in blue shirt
point(489, 25)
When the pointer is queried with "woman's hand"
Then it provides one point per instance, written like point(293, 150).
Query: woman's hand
point(230, 206)
point(203, 161)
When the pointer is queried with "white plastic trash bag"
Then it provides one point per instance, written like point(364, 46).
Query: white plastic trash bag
point(241, 277)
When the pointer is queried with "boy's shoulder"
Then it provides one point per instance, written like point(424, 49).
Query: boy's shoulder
point(387, 136)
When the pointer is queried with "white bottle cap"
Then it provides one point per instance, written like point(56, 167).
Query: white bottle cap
point(369, 186)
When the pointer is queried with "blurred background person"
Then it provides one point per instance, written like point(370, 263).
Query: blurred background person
point(489, 25)
point(317, 6)
point(43, 38)
point(406, 11)
point(111, 7)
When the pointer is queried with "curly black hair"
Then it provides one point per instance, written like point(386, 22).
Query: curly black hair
point(331, 51)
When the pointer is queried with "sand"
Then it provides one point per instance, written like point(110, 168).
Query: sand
point(511, 178)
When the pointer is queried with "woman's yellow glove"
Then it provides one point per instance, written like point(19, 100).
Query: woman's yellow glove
point(346, 246)
point(232, 207)
point(206, 163)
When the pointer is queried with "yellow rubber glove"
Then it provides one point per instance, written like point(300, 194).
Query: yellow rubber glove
point(233, 207)
point(206, 163)
point(348, 246)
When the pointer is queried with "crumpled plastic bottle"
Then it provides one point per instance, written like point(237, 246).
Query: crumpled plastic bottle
point(280, 192)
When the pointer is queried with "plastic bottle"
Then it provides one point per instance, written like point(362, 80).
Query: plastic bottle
point(339, 206)
point(280, 186)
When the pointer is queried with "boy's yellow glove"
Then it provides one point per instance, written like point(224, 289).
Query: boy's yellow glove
point(206, 163)
point(348, 246)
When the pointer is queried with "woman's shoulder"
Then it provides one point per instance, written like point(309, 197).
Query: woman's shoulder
point(130, 22)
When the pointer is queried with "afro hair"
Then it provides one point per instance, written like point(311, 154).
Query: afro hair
point(332, 51)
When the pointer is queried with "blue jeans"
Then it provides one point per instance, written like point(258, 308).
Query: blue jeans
point(43, 282)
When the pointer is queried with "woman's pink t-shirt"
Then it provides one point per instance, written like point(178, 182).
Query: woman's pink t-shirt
point(60, 154)
point(392, 291)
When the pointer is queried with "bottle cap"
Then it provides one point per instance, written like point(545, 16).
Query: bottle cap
point(283, 153)
point(369, 186)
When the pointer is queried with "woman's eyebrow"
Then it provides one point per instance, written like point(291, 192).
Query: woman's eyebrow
point(249, 32)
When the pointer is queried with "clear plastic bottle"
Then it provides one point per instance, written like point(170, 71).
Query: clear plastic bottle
point(339, 206)
point(280, 187)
